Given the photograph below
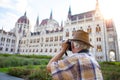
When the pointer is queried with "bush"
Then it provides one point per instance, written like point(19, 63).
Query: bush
point(39, 74)
point(13, 61)
point(30, 74)
point(110, 70)
point(19, 72)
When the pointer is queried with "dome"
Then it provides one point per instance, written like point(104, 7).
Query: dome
point(49, 22)
point(23, 19)
point(44, 22)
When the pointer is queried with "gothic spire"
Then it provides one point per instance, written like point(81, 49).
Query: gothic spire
point(51, 15)
point(97, 10)
point(97, 5)
point(37, 21)
point(25, 13)
point(69, 13)
point(61, 23)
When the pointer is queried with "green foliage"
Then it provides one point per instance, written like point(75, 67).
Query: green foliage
point(27, 68)
point(19, 72)
point(111, 70)
point(4, 70)
point(33, 67)
point(13, 61)
point(27, 56)
point(39, 74)
point(30, 73)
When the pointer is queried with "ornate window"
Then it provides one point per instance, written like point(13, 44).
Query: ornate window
point(55, 50)
point(41, 50)
point(47, 39)
point(98, 39)
point(37, 50)
point(99, 48)
point(34, 40)
point(50, 50)
point(90, 39)
point(26, 50)
point(6, 49)
point(38, 40)
point(81, 28)
point(33, 50)
point(51, 39)
point(56, 38)
point(30, 50)
point(89, 30)
point(61, 38)
point(98, 29)
point(73, 31)
point(67, 33)
point(46, 50)
point(1, 48)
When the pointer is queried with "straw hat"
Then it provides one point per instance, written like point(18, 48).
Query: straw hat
point(81, 35)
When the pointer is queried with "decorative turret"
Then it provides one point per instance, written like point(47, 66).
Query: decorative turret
point(69, 13)
point(37, 24)
point(37, 21)
point(23, 19)
point(97, 10)
point(61, 23)
point(22, 29)
point(51, 17)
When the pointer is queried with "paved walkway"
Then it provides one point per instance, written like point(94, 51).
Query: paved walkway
point(4, 76)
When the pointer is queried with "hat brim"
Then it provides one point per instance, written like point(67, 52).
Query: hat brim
point(81, 41)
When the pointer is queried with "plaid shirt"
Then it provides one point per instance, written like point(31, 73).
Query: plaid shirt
point(80, 66)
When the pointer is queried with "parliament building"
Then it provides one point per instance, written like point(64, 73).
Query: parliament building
point(48, 35)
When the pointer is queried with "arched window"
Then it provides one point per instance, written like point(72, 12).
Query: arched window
point(61, 38)
point(56, 38)
point(99, 48)
point(89, 30)
point(50, 50)
point(46, 50)
point(67, 33)
point(81, 28)
point(90, 39)
point(41, 50)
point(47, 39)
point(74, 29)
point(37, 50)
point(98, 28)
point(51, 39)
point(33, 50)
point(38, 40)
point(99, 39)
point(30, 50)
point(55, 50)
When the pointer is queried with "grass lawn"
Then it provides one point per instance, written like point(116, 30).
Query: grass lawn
point(6, 70)
point(34, 67)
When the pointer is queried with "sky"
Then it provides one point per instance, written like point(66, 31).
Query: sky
point(12, 10)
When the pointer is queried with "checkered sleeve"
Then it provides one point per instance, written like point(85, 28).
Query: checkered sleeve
point(64, 69)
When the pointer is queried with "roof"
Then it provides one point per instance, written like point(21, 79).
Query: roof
point(82, 15)
point(23, 19)
point(44, 21)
